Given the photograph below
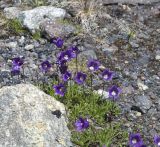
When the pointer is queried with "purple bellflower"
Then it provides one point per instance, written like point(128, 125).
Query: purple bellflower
point(17, 61)
point(15, 70)
point(107, 75)
point(74, 51)
point(64, 55)
point(45, 66)
point(157, 140)
point(140, 145)
point(58, 42)
point(16, 65)
point(66, 76)
point(81, 124)
point(80, 78)
point(135, 140)
point(114, 92)
point(93, 65)
point(59, 89)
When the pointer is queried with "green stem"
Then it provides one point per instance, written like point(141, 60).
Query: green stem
point(70, 85)
point(102, 89)
point(76, 63)
point(91, 82)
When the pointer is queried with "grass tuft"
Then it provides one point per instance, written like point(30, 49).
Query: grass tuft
point(82, 102)
point(15, 26)
point(36, 35)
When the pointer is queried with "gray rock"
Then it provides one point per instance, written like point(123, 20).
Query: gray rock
point(36, 44)
point(42, 41)
point(143, 35)
point(143, 60)
point(157, 57)
point(57, 28)
point(158, 102)
point(134, 44)
point(12, 44)
point(17, 2)
point(2, 44)
point(32, 19)
point(29, 47)
point(152, 111)
point(12, 12)
point(88, 54)
point(110, 49)
point(21, 40)
point(141, 85)
point(128, 90)
point(29, 117)
point(144, 102)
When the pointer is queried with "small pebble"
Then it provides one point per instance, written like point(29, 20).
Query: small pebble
point(29, 47)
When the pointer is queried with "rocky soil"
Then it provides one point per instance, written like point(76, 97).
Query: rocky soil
point(124, 37)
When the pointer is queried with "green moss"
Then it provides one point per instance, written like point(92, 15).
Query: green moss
point(15, 26)
point(80, 101)
point(36, 35)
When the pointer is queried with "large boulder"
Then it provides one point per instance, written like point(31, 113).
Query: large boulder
point(31, 118)
point(32, 19)
point(46, 19)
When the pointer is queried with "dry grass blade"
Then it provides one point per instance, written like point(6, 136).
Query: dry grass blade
point(3, 25)
point(3, 20)
point(84, 7)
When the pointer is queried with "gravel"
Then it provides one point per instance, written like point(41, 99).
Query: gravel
point(135, 61)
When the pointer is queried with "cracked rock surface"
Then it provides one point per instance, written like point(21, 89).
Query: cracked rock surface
point(28, 119)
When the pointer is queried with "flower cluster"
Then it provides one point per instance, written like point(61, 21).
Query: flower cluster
point(79, 77)
point(135, 140)
point(62, 59)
